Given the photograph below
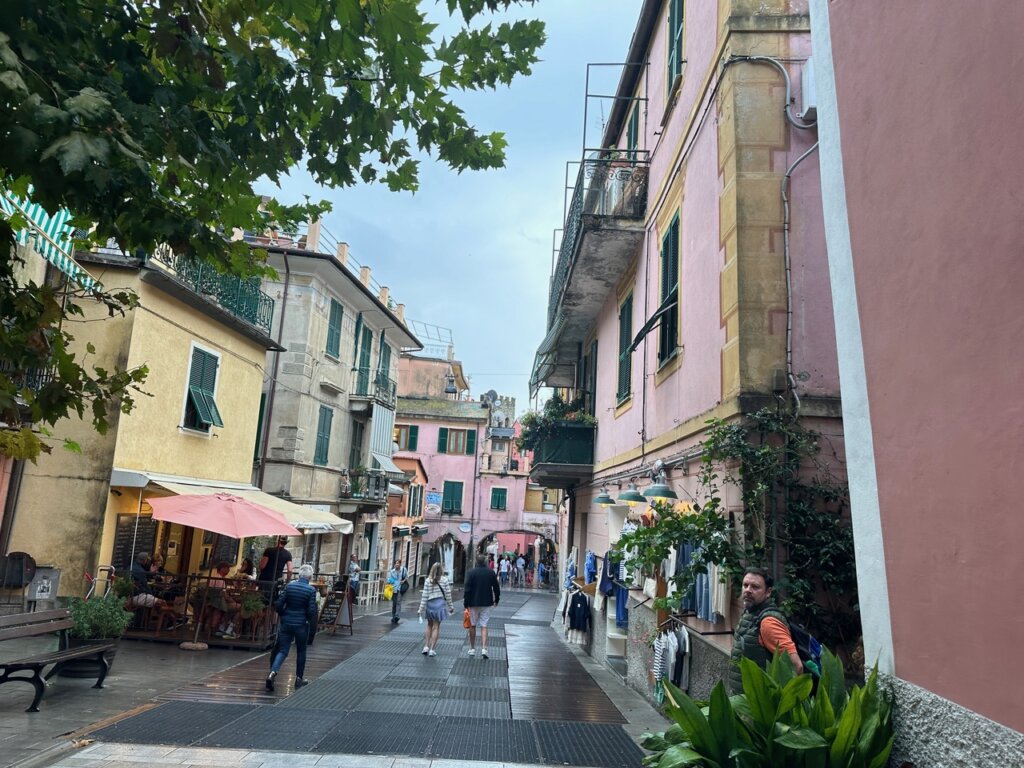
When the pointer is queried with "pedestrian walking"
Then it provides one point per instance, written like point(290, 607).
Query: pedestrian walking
point(521, 571)
point(353, 577)
point(481, 592)
point(762, 629)
point(503, 568)
point(297, 608)
point(398, 578)
point(436, 605)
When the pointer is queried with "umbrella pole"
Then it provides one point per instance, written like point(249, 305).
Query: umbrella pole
point(195, 645)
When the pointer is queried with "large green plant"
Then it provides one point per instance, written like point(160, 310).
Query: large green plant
point(542, 425)
point(98, 617)
point(777, 723)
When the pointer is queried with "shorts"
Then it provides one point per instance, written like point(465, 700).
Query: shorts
point(480, 616)
point(144, 601)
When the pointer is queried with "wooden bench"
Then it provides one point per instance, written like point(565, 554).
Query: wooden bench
point(43, 623)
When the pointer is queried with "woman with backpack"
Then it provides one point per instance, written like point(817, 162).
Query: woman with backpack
point(436, 604)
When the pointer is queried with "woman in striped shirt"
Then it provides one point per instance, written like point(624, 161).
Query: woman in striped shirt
point(436, 604)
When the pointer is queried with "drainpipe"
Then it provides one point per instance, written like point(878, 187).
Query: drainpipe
point(269, 413)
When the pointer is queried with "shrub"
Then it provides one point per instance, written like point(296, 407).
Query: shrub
point(98, 617)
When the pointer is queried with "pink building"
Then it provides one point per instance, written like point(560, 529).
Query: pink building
point(921, 168)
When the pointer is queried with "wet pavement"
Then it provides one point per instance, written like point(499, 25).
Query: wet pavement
point(376, 700)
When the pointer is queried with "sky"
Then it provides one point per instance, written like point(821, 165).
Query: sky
point(472, 252)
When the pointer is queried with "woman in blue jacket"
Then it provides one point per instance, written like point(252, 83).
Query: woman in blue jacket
point(297, 608)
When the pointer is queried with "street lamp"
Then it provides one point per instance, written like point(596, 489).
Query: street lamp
point(631, 496)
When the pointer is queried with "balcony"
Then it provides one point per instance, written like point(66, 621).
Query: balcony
point(566, 458)
point(374, 385)
point(241, 298)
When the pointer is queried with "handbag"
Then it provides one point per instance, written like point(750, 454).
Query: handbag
point(467, 619)
point(405, 587)
point(389, 591)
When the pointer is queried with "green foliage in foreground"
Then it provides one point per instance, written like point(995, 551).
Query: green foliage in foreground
point(98, 617)
point(777, 723)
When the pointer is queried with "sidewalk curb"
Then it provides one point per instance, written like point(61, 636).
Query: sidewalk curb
point(46, 757)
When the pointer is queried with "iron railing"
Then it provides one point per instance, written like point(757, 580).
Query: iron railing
point(33, 379)
point(241, 297)
point(605, 186)
point(375, 384)
point(570, 443)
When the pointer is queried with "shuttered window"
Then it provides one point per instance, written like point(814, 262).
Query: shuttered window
point(675, 40)
point(633, 133)
point(201, 410)
point(625, 357)
point(323, 436)
point(407, 436)
point(334, 329)
point(668, 337)
point(456, 441)
point(499, 498)
point(451, 502)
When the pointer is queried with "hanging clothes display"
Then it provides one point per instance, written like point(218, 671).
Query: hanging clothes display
point(621, 606)
point(590, 567)
point(577, 617)
point(627, 527)
point(606, 587)
point(719, 592)
point(570, 569)
point(681, 663)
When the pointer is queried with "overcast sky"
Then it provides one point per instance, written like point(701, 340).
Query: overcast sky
point(472, 252)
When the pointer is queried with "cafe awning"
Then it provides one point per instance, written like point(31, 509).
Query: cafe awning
point(304, 518)
point(384, 462)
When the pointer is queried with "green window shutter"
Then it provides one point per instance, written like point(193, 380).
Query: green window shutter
point(202, 381)
point(442, 440)
point(668, 336)
point(355, 346)
point(633, 133)
point(625, 339)
point(675, 40)
point(323, 435)
point(591, 401)
point(334, 329)
point(499, 498)
point(414, 437)
point(470, 442)
point(451, 503)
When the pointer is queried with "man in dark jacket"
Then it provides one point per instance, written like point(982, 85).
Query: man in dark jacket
point(480, 594)
point(762, 630)
point(297, 607)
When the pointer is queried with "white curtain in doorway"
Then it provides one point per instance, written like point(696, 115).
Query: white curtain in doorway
point(448, 558)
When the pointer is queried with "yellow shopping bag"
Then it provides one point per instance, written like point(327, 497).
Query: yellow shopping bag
point(389, 591)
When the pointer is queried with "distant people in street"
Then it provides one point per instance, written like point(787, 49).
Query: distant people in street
point(142, 593)
point(762, 630)
point(353, 577)
point(529, 574)
point(297, 608)
point(503, 568)
point(436, 605)
point(491, 564)
point(275, 561)
point(521, 571)
point(397, 576)
point(481, 592)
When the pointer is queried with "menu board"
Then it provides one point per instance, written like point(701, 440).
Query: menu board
point(144, 538)
point(226, 549)
point(336, 612)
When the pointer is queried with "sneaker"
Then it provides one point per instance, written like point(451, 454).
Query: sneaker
point(472, 651)
point(270, 681)
point(432, 652)
point(229, 635)
point(394, 619)
point(299, 682)
point(483, 652)
point(426, 650)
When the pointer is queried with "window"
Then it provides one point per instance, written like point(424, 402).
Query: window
point(675, 41)
point(499, 446)
point(259, 427)
point(201, 410)
point(407, 436)
point(355, 455)
point(625, 356)
point(323, 436)
point(457, 441)
point(499, 498)
point(633, 133)
point(415, 508)
point(334, 330)
point(451, 502)
point(668, 336)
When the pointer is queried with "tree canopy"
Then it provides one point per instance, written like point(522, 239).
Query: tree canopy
point(151, 120)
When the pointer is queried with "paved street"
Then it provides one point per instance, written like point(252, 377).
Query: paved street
point(375, 700)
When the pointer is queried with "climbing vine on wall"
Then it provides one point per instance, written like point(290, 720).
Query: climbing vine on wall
point(794, 509)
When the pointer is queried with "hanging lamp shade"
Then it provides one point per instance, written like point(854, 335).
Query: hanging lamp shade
point(631, 496)
point(604, 499)
point(660, 491)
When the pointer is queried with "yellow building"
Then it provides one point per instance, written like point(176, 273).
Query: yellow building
point(204, 338)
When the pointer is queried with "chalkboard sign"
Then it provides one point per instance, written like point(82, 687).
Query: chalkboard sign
point(126, 533)
point(226, 549)
point(336, 612)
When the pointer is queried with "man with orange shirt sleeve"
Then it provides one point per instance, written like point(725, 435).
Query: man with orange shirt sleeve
point(762, 629)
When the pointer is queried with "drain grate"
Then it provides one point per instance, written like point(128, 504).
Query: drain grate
point(413, 683)
point(367, 674)
point(176, 722)
point(275, 728)
point(494, 710)
point(376, 733)
point(330, 694)
point(468, 693)
point(466, 681)
point(398, 703)
point(500, 741)
point(477, 667)
point(590, 744)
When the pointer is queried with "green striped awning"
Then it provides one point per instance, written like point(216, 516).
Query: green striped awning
point(50, 236)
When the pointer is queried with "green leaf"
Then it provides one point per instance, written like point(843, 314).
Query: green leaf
point(846, 733)
point(761, 693)
point(693, 722)
point(795, 692)
point(723, 723)
point(675, 734)
point(801, 738)
point(76, 151)
point(677, 755)
point(88, 103)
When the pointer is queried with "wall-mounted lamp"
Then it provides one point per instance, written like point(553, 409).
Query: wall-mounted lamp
point(604, 499)
point(659, 489)
point(449, 383)
point(631, 496)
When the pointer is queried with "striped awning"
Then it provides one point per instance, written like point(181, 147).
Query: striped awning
point(50, 236)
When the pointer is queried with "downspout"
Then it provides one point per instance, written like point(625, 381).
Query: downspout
point(268, 416)
point(476, 492)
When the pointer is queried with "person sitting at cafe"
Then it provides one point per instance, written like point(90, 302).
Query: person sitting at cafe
point(223, 609)
point(142, 592)
point(245, 570)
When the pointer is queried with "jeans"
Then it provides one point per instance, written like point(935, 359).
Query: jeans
point(396, 604)
point(285, 635)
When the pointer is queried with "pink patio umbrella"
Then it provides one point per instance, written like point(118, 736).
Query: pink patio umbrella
point(224, 515)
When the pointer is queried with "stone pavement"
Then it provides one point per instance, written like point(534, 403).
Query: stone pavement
point(534, 701)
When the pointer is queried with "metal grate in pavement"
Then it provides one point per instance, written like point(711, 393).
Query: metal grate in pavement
point(275, 728)
point(501, 741)
point(413, 683)
point(376, 733)
point(176, 722)
point(368, 674)
point(475, 693)
point(400, 691)
point(493, 710)
point(398, 703)
point(474, 666)
point(590, 744)
point(330, 694)
point(467, 681)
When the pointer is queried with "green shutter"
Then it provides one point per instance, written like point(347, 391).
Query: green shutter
point(667, 338)
point(442, 440)
point(499, 498)
point(334, 330)
point(355, 346)
point(675, 40)
point(414, 437)
point(323, 435)
point(625, 340)
point(470, 442)
point(451, 503)
point(591, 401)
point(202, 381)
point(633, 133)
point(259, 426)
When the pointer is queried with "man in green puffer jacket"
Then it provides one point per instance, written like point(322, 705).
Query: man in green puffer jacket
point(762, 629)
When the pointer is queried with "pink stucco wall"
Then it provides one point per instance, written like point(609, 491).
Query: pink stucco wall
point(930, 120)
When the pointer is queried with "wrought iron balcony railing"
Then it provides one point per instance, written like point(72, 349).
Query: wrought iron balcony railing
point(375, 384)
point(241, 297)
point(33, 379)
point(612, 186)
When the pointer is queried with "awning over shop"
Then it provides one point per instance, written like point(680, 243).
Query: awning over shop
point(304, 518)
point(384, 462)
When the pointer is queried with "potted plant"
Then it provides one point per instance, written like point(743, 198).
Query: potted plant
point(251, 604)
point(98, 620)
point(538, 427)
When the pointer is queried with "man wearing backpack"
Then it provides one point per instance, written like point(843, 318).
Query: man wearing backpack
point(762, 629)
